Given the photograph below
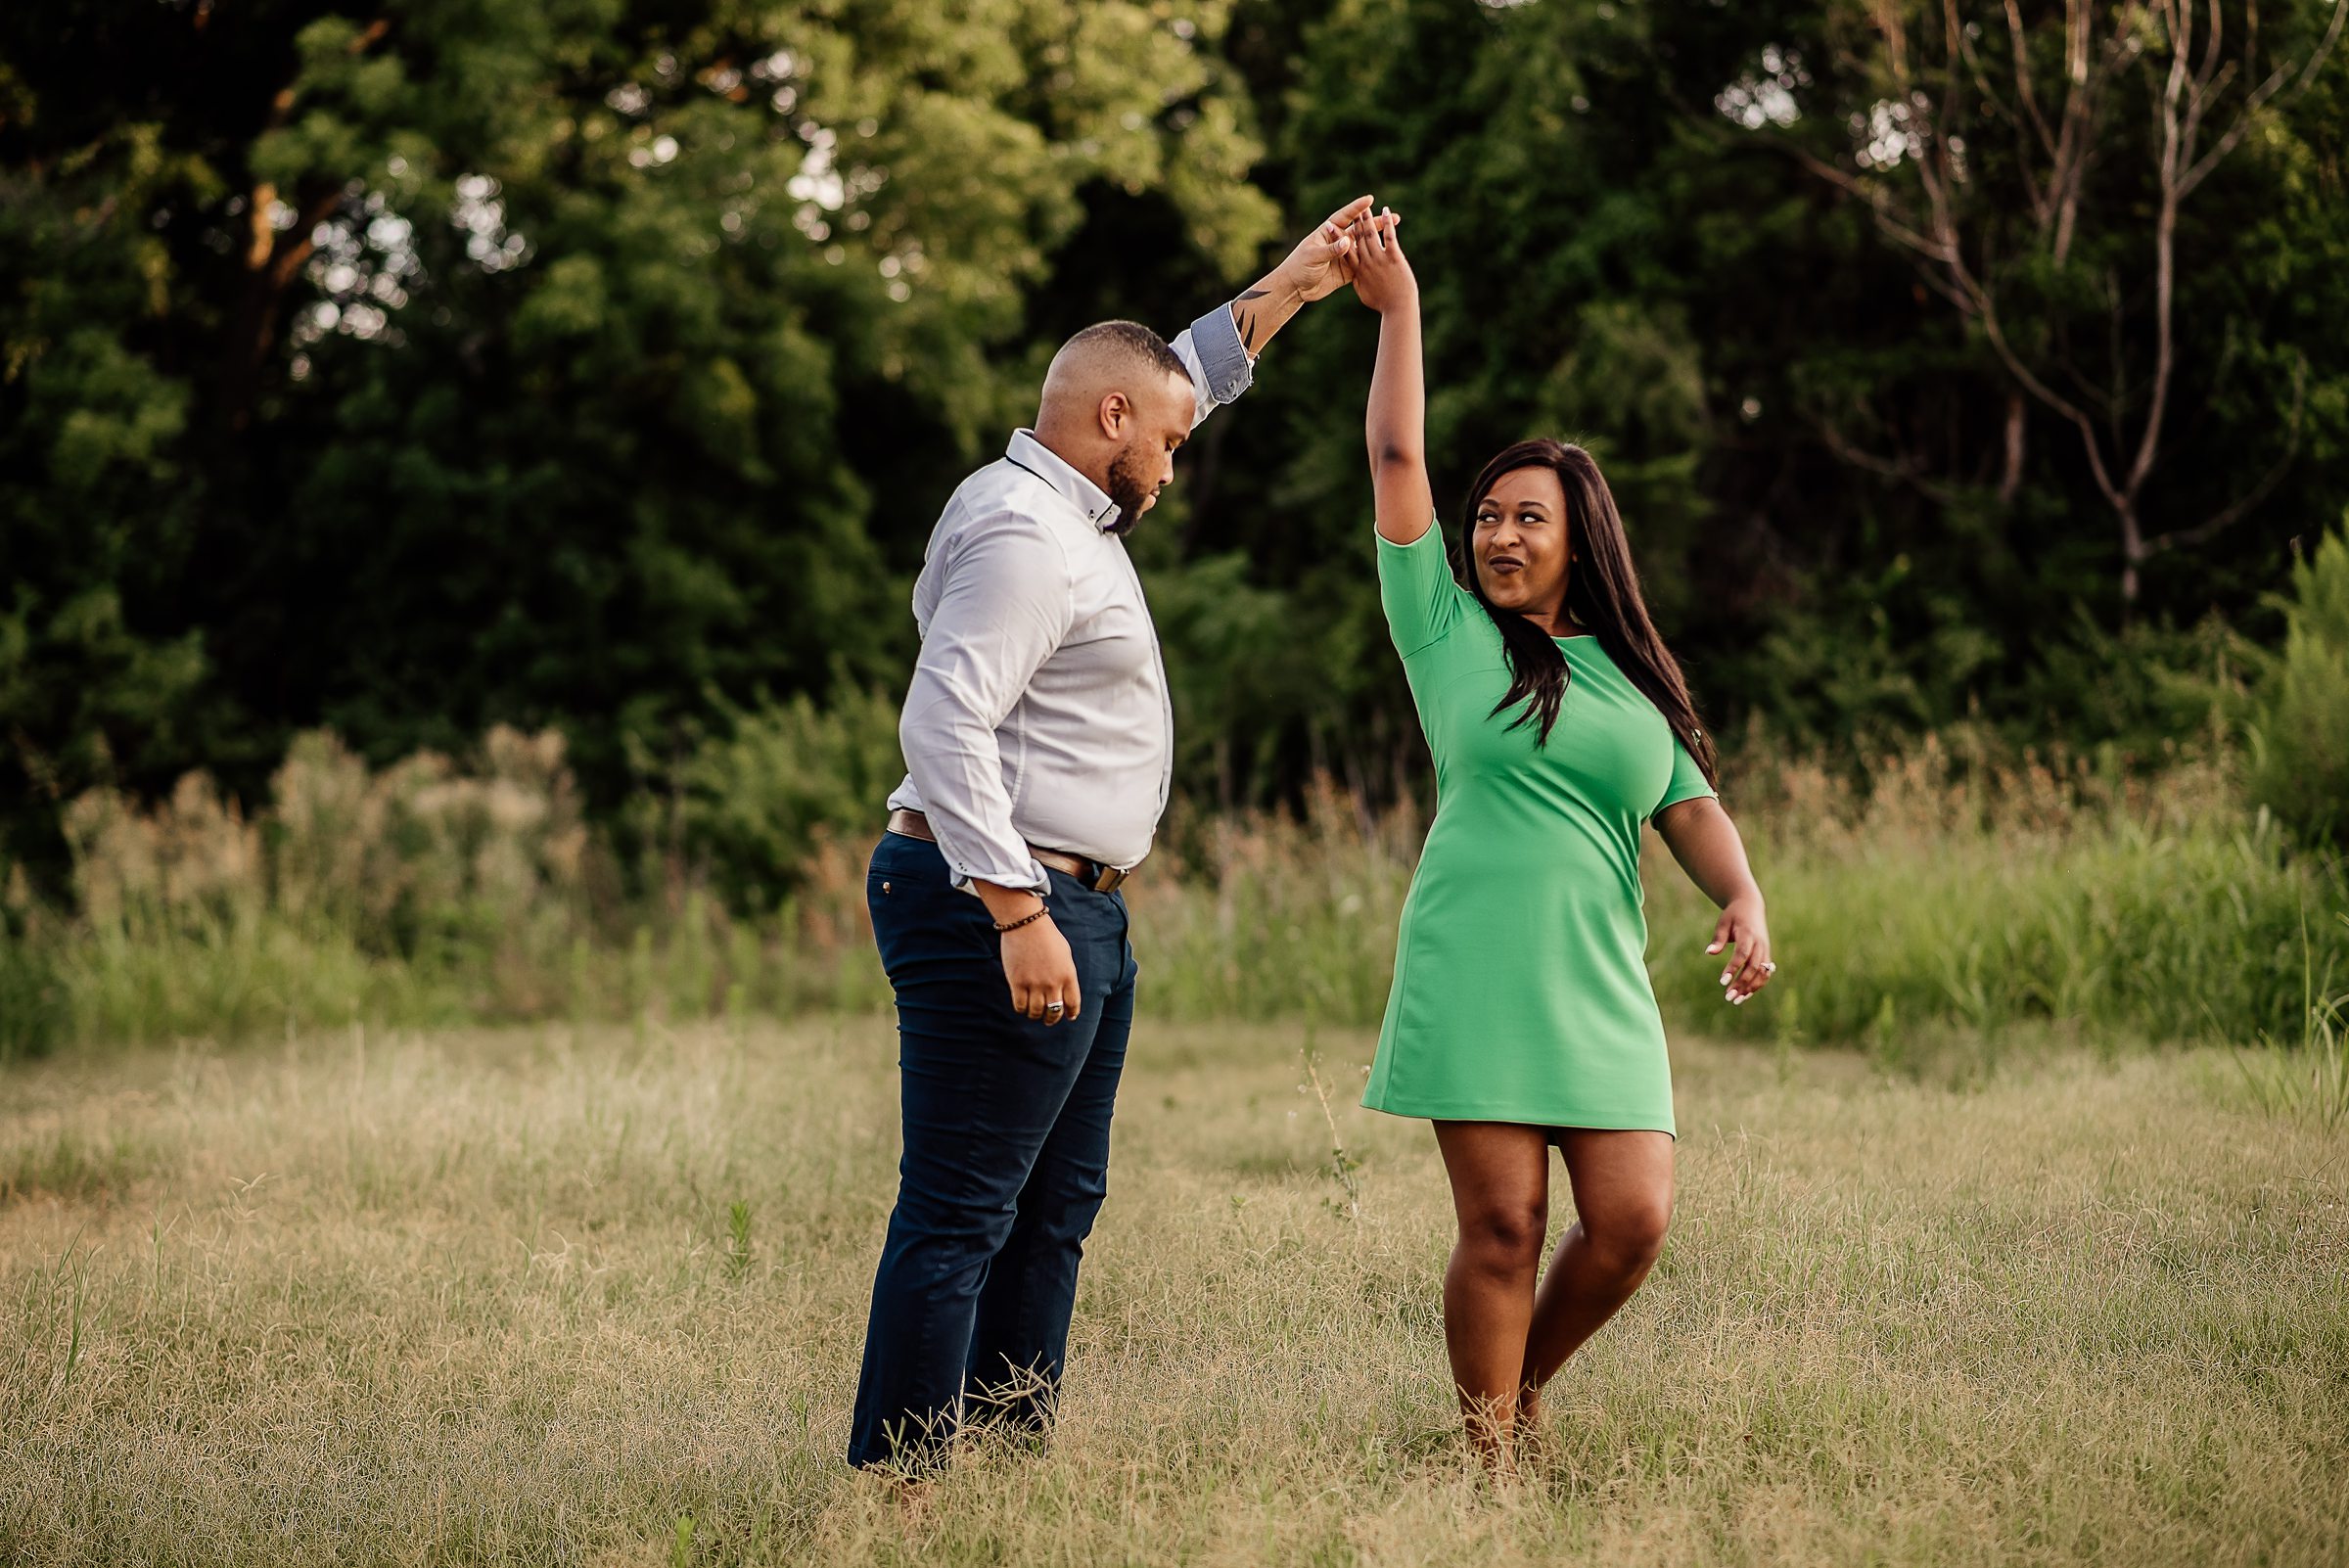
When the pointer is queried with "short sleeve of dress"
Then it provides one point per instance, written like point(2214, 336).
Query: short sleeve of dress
point(1688, 779)
point(1417, 587)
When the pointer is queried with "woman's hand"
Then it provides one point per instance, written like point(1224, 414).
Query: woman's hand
point(1321, 263)
point(1743, 928)
point(1382, 274)
point(1703, 839)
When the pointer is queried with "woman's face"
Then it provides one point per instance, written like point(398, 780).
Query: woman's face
point(1520, 542)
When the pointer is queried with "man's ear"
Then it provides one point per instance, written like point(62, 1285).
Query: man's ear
point(1114, 410)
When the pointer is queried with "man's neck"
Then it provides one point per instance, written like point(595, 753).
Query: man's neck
point(1086, 494)
point(1062, 449)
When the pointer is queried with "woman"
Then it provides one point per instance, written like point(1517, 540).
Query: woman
point(1521, 1014)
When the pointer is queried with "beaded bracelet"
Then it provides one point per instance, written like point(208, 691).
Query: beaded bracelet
point(1041, 910)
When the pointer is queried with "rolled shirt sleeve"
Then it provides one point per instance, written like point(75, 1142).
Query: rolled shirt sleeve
point(1209, 347)
point(1007, 604)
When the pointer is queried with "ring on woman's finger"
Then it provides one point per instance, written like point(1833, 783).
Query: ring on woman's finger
point(1053, 1009)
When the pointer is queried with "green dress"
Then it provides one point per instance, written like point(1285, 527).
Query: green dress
point(1521, 991)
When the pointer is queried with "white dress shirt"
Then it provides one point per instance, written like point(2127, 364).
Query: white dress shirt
point(1039, 711)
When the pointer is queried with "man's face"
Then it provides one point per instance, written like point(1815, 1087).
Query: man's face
point(1145, 464)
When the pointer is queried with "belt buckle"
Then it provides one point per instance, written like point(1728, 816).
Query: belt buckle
point(1109, 879)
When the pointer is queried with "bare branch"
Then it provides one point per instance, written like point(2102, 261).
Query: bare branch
point(1962, 47)
point(2075, 143)
point(1875, 195)
point(263, 240)
point(272, 260)
point(1937, 238)
point(2022, 78)
point(1996, 331)
point(2056, 143)
point(303, 235)
point(2010, 474)
point(2260, 96)
point(1902, 470)
point(2180, 15)
point(2236, 510)
point(2207, 72)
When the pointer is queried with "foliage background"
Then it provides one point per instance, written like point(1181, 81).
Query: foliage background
point(415, 368)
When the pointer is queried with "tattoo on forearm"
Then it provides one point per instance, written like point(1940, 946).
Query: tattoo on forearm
point(1248, 317)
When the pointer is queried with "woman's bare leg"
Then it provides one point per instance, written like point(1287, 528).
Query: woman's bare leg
point(1500, 1191)
point(1623, 1201)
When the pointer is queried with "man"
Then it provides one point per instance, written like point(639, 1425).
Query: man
point(1038, 740)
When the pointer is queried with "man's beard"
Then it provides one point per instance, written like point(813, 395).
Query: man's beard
point(1127, 489)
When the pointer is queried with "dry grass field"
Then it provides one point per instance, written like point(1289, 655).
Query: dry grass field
point(538, 1297)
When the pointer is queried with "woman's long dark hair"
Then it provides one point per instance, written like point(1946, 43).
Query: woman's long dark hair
point(1602, 593)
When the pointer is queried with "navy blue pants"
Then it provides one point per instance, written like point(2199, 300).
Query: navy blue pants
point(1006, 1133)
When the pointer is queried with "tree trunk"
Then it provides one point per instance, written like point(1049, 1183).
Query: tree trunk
point(2133, 551)
point(2010, 478)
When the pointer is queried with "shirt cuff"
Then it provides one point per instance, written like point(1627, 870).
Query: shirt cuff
point(1224, 370)
point(1029, 879)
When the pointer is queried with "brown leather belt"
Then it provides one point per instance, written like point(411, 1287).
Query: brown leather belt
point(1092, 873)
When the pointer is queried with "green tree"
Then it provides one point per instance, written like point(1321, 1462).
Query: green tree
point(414, 367)
point(1844, 529)
point(1998, 151)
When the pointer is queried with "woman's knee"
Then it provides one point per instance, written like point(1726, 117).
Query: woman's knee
point(1506, 1236)
point(1629, 1235)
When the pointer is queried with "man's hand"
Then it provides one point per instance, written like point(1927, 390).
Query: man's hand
point(1037, 962)
point(1320, 265)
point(1042, 972)
point(1383, 278)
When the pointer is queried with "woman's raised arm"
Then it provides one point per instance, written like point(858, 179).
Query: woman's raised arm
point(1396, 425)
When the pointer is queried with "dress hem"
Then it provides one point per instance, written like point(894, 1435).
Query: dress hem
point(1578, 1121)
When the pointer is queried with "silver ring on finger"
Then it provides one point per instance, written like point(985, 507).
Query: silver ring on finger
point(1053, 1009)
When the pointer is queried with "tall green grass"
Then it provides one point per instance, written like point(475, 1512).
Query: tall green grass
point(1944, 888)
point(2297, 719)
point(426, 893)
point(1953, 889)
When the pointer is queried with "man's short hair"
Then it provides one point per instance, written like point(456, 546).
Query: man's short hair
point(1132, 339)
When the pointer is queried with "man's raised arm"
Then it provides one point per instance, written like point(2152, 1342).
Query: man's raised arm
point(1220, 347)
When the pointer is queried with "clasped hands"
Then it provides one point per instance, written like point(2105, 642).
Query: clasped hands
point(1354, 244)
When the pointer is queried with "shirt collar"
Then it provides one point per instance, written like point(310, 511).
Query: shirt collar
point(1074, 487)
